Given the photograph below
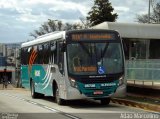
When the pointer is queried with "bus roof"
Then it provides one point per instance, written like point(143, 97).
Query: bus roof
point(44, 38)
point(132, 30)
point(59, 35)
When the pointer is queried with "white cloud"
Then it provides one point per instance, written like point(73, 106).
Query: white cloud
point(142, 12)
point(122, 9)
point(64, 6)
point(26, 15)
point(6, 4)
point(128, 9)
point(27, 18)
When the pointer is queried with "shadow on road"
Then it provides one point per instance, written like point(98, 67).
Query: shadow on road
point(82, 103)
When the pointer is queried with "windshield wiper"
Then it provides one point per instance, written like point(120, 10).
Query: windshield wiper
point(85, 49)
point(104, 51)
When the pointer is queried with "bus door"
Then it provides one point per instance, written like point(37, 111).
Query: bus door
point(61, 73)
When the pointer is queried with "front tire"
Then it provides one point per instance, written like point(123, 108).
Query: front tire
point(58, 100)
point(105, 101)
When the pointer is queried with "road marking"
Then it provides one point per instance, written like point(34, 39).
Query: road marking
point(52, 109)
point(33, 102)
point(42, 106)
point(71, 116)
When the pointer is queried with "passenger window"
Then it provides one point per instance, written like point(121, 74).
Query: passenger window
point(53, 53)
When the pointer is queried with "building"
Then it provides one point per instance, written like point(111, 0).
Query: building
point(142, 44)
point(9, 60)
point(3, 54)
point(2, 61)
point(3, 51)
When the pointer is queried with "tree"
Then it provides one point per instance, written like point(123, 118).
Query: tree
point(53, 25)
point(84, 23)
point(100, 12)
point(142, 18)
point(47, 27)
point(154, 17)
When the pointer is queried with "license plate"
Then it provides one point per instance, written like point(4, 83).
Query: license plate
point(98, 93)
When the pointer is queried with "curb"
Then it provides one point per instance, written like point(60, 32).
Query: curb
point(145, 106)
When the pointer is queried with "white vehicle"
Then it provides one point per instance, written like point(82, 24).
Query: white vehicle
point(77, 64)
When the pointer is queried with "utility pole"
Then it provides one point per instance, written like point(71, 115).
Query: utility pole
point(148, 41)
point(149, 11)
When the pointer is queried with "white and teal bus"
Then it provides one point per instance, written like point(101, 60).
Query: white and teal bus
point(76, 64)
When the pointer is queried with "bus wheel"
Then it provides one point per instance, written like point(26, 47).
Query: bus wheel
point(105, 101)
point(58, 100)
point(33, 93)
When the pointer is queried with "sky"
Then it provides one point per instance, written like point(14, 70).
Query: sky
point(18, 18)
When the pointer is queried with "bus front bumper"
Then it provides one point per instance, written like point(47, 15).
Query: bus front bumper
point(74, 93)
point(120, 92)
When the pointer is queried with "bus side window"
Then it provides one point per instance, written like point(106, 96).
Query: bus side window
point(29, 50)
point(40, 54)
point(46, 53)
point(36, 59)
point(24, 56)
point(60, 58)
point(53, 53)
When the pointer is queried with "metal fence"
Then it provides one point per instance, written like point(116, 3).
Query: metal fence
point(148, 70)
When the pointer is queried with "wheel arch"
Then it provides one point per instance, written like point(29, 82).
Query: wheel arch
point(54, 86)
point(30, 81)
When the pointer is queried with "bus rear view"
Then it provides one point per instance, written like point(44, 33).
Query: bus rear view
point(95, 64)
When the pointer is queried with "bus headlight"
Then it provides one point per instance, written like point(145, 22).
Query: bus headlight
point(73, 82)
point(121, 80)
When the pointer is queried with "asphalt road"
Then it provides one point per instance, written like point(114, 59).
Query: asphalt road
point(18, 103)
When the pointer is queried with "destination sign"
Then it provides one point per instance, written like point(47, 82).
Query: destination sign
point(92, 36)
point(85, 69)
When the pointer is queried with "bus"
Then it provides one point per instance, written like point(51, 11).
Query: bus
point(77, 64)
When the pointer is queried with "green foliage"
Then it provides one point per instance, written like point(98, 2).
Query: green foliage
point(53, 25)
point(154, 17)
point(100, 12)
point(46, 27)
point(142, 18)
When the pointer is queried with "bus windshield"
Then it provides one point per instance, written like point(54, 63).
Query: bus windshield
point(94, 58)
